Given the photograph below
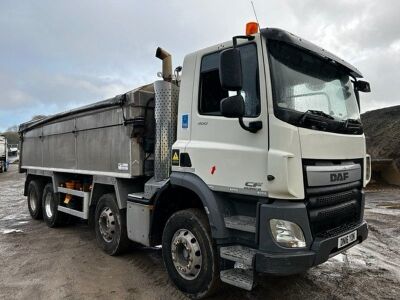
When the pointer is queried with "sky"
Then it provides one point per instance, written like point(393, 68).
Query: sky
point(57, 55)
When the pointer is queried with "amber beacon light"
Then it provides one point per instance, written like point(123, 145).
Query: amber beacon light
point(251, 28)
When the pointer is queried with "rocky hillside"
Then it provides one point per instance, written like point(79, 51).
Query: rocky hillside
point(382, 129)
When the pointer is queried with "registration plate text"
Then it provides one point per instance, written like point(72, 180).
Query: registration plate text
point(347, 239)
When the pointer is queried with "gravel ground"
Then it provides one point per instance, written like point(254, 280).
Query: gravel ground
point(37, 262)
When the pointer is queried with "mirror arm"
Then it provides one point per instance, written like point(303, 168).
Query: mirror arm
point(257, 125)
point(253, 127)
point(357, 94)
point(242, 37)
point(358, 99)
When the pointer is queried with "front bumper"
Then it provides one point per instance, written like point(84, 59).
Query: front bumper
point(294, 262)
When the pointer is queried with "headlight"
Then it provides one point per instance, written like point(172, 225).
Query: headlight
point(287, 234)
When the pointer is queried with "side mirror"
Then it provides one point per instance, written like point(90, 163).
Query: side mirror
point(362, 86)
point(232, 107)
point(230, 70)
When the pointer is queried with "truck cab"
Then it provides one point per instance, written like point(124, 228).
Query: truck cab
point(289, 194)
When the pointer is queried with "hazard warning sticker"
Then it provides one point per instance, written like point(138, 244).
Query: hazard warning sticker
point(175, 157)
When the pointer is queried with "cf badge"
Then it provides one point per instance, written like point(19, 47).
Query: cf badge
point(253, 186)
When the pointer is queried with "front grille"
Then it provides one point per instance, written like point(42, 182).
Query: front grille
point(333, 209)
point(330, 211)
point(334, 212)
point(332, 199)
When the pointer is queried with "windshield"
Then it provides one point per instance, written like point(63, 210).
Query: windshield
point(304, 83)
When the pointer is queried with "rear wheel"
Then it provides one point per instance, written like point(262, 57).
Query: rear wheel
point(110, 226)
point(189, 254)
point(50, 201)
point(35, 191)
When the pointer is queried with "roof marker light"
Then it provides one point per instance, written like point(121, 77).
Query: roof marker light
point(251, 28)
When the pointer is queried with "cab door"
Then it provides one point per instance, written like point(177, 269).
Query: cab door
point(225, 156)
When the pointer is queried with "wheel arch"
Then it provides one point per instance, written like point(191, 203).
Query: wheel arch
point(43, 180)
point(118, 186)
point(186, 190)
point(99, 189)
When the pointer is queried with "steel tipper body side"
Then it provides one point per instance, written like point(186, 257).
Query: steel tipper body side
point(84, 154)
point(105, 138)
point(286, 179)
point(86, 161)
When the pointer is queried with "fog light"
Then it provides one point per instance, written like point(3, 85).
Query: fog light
point(287, 234)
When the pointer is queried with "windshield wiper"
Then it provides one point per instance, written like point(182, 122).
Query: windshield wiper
point(315, 119)
point(318, 113)
point(353, 125)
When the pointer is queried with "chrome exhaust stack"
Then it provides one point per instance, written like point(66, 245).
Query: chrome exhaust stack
point(166, 112)
point(166, 63)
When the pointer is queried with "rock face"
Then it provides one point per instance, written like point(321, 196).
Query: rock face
point(382, 129)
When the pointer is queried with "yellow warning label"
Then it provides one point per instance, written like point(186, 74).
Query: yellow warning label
point(175, 157)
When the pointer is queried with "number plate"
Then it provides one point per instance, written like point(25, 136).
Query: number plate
point(347, 239)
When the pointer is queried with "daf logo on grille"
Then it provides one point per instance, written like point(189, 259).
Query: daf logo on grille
point(342, 176)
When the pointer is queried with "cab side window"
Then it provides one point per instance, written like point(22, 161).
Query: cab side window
point(211, 92)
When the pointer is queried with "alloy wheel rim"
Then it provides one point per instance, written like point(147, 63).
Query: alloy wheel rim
point(32, 200)
point(186, 254)
point(48, 205)
point(107, 224)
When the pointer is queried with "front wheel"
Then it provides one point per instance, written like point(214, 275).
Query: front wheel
point(189, 254)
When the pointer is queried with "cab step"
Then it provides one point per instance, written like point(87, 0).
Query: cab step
point(136, 196)
point(242, 223)
point(238, 254)
point(241, 278)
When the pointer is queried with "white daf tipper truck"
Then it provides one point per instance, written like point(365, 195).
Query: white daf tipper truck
point(3, 154)
point(251, 161)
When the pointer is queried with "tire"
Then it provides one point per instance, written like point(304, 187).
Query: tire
point(35, 192)
point(191, 226)
point(110, 226)
point(50, 201)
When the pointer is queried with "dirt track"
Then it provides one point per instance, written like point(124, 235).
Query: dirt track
point(37, 262)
